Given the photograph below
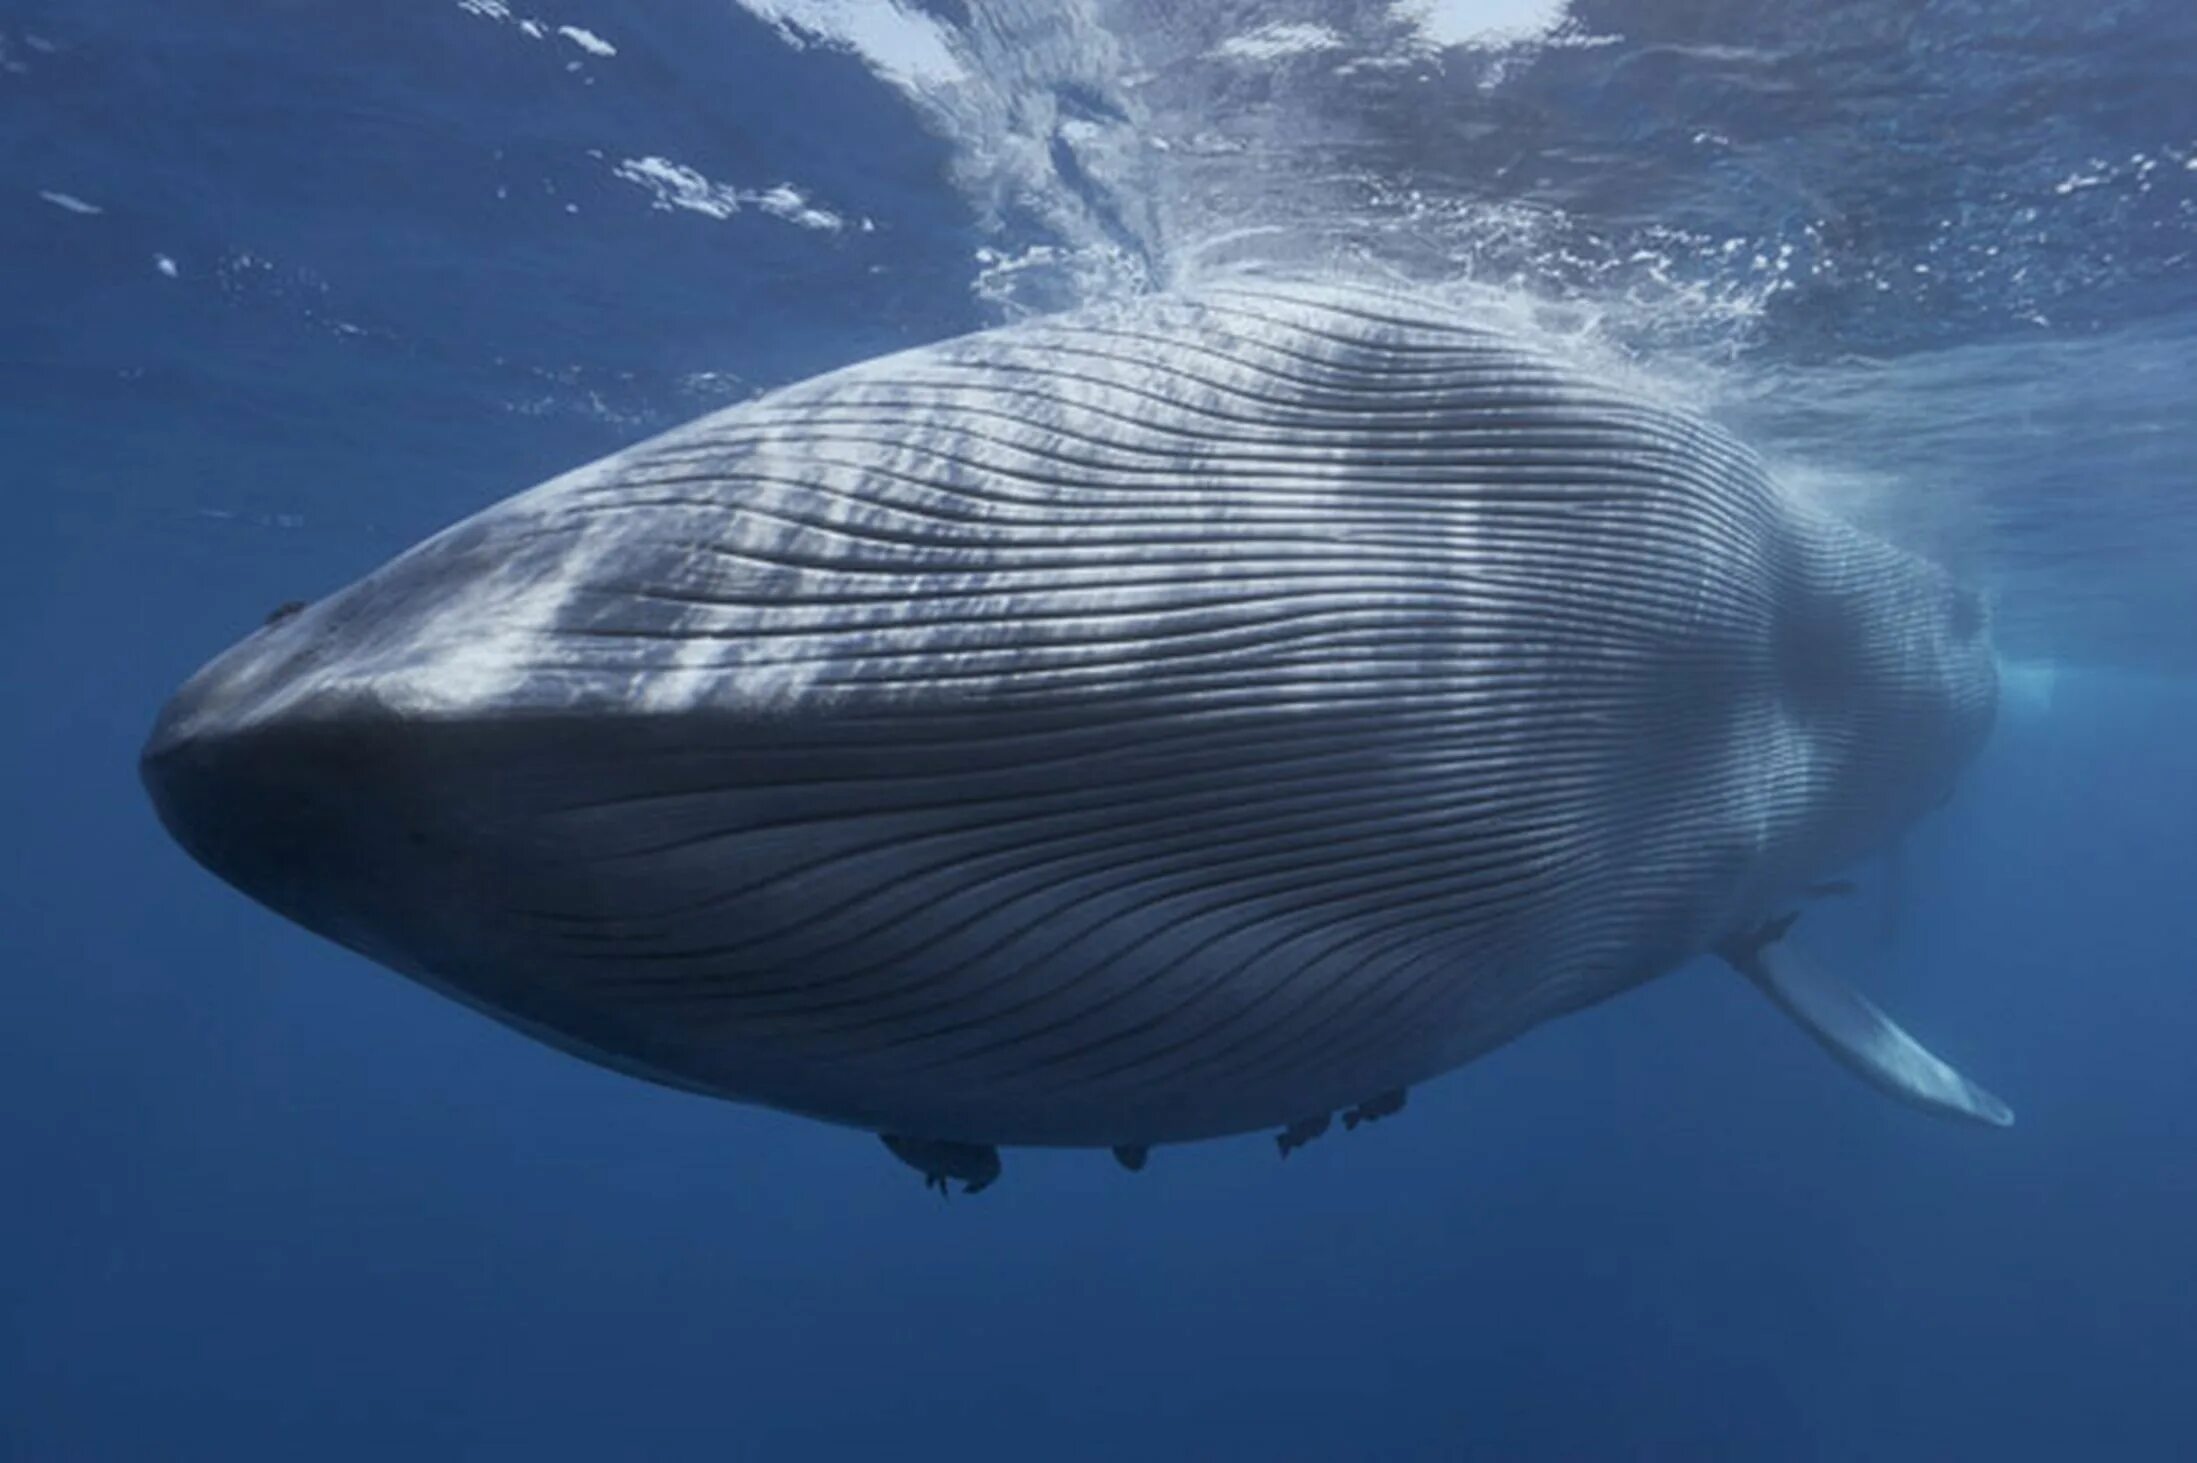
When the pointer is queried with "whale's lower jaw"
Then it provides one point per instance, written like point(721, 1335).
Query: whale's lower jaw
point(1112, 730)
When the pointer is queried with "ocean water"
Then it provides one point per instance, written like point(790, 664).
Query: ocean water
point(286, 287)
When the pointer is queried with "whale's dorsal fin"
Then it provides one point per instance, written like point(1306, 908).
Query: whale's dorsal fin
point(1852, 1029)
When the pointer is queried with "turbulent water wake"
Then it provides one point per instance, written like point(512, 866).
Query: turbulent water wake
point(1936, 262)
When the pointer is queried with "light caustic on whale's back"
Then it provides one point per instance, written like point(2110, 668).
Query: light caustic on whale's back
point(1198, 714)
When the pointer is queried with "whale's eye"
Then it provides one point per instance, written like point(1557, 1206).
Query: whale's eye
point(1966, 614)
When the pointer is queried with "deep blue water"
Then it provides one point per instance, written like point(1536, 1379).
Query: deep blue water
point(286, 287)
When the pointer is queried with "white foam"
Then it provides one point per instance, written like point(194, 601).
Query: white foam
point(904, 46)
point(165, 265)
point(501, 12)
point(587, 40)
point(1279, 39)
point(70, 202)
point(677, 186)
point(1041, 277)
point(787, 202)
point(1482, 23)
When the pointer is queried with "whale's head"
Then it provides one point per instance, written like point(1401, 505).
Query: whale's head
point(525, 759)
point(388, 766)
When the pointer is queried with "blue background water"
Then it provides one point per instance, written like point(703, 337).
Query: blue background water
point(266, 1200)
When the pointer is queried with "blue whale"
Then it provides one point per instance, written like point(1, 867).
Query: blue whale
point(1192, 715)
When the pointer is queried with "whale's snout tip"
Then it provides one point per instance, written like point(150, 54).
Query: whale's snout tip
point(180, 763)
point(258, 802)
point(266, 776)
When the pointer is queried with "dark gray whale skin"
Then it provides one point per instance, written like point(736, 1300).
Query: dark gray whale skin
point(1157, 722)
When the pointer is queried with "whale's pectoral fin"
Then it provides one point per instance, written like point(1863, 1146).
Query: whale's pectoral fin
point(1852, 1029)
